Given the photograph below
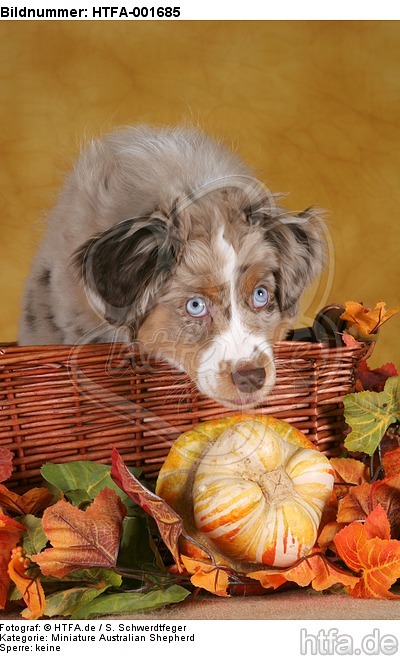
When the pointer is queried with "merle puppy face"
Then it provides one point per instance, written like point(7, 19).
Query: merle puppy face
point(209, 285)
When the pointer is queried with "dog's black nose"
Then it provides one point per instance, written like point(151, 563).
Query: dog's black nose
point(248, 380)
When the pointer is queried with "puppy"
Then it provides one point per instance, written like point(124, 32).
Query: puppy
point(164, 238)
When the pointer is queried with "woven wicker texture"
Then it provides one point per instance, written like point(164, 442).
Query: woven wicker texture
point(61, 404)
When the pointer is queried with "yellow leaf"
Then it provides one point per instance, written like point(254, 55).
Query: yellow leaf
point(364, 321)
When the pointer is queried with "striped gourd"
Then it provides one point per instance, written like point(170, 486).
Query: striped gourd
point(256, 487)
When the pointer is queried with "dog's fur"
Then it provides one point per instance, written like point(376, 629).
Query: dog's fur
point(151, 218)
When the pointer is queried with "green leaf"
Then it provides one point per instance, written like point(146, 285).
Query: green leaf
point(78, 497)
point(93, 576)
point(67, 602)
point(135, 549)
point(34, 538)
point(369, 414)
point(81, 481)
point(131, 602)
point(14, 594)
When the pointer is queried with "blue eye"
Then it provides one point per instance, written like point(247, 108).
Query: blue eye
point(260, 297)
point(196, 307)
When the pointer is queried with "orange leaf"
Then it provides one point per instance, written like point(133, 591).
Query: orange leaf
point(330, 511)
point(192, 549)
point(320, 572)
point(377, 524)
point(29, 503)
point(268, 578)
point(30, 588)
point(207, 576)
point(355, 506)
point(5, 463)
point(376, 559)
point(82, 538)
point(348, 473)
point(169, 523)
point(367, 321)
point(10, 534)
point(315, 569)
point(348, 470)
point(391, 462)
point(325, 538)
point(362, 500)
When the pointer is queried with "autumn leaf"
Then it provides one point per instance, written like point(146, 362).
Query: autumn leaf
point(373, 379)
point(82, 538)
point(320, 572)
point(5, 463)
point(10, 534)
point(316, 570)
point(207, 576)
point(356, 506)
point(269, 578)
point(363, 322)
point(349, 470)
point(391, 462)
point(29, 503)
point(387, 493)
point(348, 473)
point(363, 499)
point(326, 536)
point(377, 524)
point(369, 414)
point(365, 552)
point(329, 512)
point(30, 587)
point(169, 523)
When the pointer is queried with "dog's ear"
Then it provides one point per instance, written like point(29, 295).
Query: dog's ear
point(125, 267)
point(299, 244)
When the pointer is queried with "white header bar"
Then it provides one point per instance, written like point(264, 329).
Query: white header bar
point(173, 10)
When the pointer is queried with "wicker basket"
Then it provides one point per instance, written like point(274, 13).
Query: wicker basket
point(63, 403)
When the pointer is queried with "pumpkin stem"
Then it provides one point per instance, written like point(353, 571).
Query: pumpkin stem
point(276, 485)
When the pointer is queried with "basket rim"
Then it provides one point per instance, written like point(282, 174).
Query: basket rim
point(12, 351)
point(282, 345)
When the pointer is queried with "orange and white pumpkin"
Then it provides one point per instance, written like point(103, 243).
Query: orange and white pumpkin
point(251, 489)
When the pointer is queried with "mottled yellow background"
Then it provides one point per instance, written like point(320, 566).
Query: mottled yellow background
point(314, 106)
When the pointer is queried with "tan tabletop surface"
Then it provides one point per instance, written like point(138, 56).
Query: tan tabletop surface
point(287, 605)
